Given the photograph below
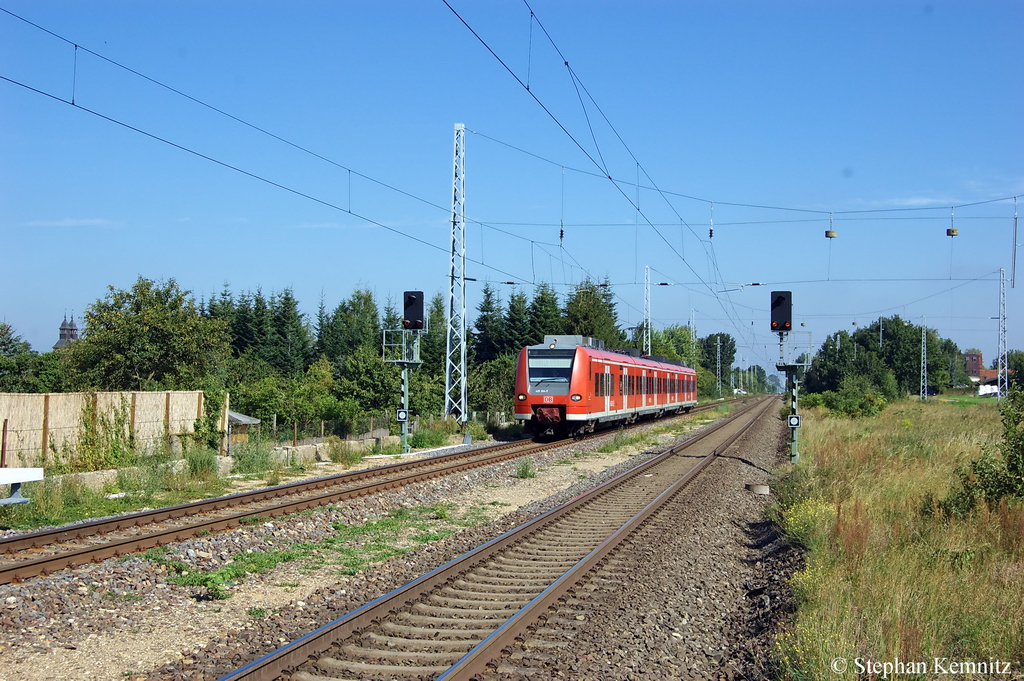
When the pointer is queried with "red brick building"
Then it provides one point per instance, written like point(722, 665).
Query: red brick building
point(975, 364)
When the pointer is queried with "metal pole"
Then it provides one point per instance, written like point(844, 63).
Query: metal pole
point(455, 344)
point(718, 372)
point(1002, 380)
point(405, 405)
point(924, 360)
point(794, 439)
point(3, 447)
point(647, 308)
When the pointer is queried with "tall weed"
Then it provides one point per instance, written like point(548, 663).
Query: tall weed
point(882, 579)
point(251, 458)
point(339, 452)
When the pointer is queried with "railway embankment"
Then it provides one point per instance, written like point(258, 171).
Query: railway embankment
point(913, 525)
point(130, 618)
point(119, 618)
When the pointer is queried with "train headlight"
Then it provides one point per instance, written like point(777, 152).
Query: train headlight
point(521, 397)
point(576, 398)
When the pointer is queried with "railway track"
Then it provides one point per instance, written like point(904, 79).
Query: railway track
point(29, 555)
point(453, 622)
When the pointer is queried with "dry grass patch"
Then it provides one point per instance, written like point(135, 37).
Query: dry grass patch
point(888, 577)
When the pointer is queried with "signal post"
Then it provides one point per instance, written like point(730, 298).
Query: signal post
point(782, 323)
point(402, 347)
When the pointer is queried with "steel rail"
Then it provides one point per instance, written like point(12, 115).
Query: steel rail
point(131, 520)
point(319, 641)
point(477, 660)
point(445, 464)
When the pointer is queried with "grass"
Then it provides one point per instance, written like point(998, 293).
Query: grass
point(351, 549)
point(252, 458)
point(393, 449)
point(155, 480)
point(622, 440)
point(428, 438)
point(883, 578)
point(524, 468)
point(339, 452)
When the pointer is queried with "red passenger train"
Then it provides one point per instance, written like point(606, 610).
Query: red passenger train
point(568, 385)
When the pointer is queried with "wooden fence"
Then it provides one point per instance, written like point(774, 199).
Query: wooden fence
point(38, 424)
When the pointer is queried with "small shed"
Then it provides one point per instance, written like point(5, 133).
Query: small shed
point(238, 427)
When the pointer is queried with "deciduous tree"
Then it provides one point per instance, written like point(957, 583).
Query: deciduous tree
point(151, 336)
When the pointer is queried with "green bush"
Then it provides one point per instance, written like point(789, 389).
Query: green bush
point(428, 437)
point(476, 430)
point(855, 398)
point(251, 457)
point(201, 463)
point(991, 478)
point(809, 400)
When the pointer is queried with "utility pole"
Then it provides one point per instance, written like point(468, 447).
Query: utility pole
point(455, 343)
point(647, 310)
point(718, 372)
point(924, 360)
point(1002, 379)
point(693, 336)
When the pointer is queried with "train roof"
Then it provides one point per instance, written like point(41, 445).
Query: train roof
point(595, 349)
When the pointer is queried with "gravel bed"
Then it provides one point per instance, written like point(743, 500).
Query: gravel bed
point(71, 610)
point(698, 595)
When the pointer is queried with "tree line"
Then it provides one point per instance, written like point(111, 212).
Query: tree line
point(276, 360)
point(859, 373)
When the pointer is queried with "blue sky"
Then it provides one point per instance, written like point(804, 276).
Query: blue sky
point(773, 120)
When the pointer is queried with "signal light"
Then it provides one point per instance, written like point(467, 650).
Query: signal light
point(413, 317)
point(782, 311)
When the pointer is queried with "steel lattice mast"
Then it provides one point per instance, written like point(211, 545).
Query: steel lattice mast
point(1002, 379)
point(647, 310)
point(924, 359)
point(455, 345)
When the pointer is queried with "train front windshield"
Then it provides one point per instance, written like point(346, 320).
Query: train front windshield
point(549, 371)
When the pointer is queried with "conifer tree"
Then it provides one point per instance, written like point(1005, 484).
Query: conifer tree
point(433, 343)
point(516, 333)
point(544, 314)
point(590, 311)
point(489, 338)
point(292, 351)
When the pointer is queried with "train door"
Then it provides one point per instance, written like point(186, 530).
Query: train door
point(624, 382)
point(608, 388)
point(643, 388)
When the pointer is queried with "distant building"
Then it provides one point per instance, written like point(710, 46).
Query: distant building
point(68, 332)
point(989, 376)
point(975, 365)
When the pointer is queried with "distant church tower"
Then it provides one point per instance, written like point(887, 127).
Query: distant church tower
point(68, 332)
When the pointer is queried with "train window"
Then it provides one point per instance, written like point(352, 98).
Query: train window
point(550, 366)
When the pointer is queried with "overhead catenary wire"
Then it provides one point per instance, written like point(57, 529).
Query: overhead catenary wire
point(350, 171)
point(595, 162)
point(242, 171)
point(580, 89)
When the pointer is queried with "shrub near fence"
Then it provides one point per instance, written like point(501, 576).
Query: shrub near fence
point(42, 424)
